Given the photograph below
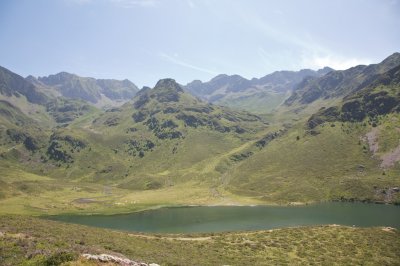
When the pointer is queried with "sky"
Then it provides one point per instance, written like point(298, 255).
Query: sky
point(146, 40)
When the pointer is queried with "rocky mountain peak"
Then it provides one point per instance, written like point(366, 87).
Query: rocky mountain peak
point(391, 61)
point(169, 84)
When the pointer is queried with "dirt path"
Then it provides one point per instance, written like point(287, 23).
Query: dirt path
point(205, 238)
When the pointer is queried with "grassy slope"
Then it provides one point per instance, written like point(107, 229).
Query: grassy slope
point(333, 164)
point(262, 102)
point(330, 165)
point(32, 241)
point(116, 180)
point(186, 178)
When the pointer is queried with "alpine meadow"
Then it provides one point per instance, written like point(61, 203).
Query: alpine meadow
point(290, 157)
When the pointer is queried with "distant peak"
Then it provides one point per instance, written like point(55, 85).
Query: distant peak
point(145, 88)
point(325, 70)
point(168, 84)
point(195, 82)
point(64, 74)
point(220, 76)
point(59, 76)
point(391, 58)
point(30, 78)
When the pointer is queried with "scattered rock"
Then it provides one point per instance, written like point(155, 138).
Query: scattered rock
point(389, 229)
point(115, 259)
point(389, 159)
point(314, 132)
point(387, 194)
point(84, 200)
point(360, 168)
point(372, 138)
point(269, 137)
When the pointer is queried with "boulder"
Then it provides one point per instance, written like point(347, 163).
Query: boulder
point(115, 259)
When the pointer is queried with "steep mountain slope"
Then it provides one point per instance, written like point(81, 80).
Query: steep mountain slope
point(159, 130)
point(337, 162)
point(381, 96)
point(16, 128)
point(347, 150)
point(339, 84)
point(12, 84)
point(258, 95)
point(96, 91)
point(38, 101)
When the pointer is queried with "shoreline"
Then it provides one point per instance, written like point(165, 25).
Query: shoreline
point(156, 207)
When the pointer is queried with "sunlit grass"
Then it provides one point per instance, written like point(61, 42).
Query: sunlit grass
point(29, 240)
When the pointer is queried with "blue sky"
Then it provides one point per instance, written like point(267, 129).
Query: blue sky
point(145, 40)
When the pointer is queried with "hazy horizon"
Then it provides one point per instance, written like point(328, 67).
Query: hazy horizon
point(146, 40)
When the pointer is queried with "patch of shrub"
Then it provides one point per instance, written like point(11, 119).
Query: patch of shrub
point(60, 258)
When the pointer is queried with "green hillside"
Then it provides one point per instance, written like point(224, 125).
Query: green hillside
point(343, 144)
point(33, 241)
point(331, 162)
point(164, 142)
point(199, 132)
point(167, 147)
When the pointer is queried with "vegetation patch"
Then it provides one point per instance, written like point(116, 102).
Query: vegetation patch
point(28, 240)
point(139, 147)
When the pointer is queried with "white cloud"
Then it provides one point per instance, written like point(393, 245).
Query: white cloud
point(176, 61)
point(335, 62)
point(310, 52)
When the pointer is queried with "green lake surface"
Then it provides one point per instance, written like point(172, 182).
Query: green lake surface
point(237, 218)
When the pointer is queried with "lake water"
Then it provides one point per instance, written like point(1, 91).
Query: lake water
point(234, 218)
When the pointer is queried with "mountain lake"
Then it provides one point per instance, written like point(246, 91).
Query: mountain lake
point(206, 219)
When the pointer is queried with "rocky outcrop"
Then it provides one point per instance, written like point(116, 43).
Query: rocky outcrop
point(389, 159)
point(366, 105)
point(117, 260)
point(269, 137)
point(12, 84)
point(387, 194)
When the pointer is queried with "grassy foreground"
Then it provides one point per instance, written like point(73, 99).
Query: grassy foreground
point(33, 241)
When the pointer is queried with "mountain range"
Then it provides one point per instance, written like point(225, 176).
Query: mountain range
point(99, 92)
point(257, 95)
point(333, 135)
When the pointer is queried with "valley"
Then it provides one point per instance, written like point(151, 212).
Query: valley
point(167, 147)
point(333, 136)
point(197, 132)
